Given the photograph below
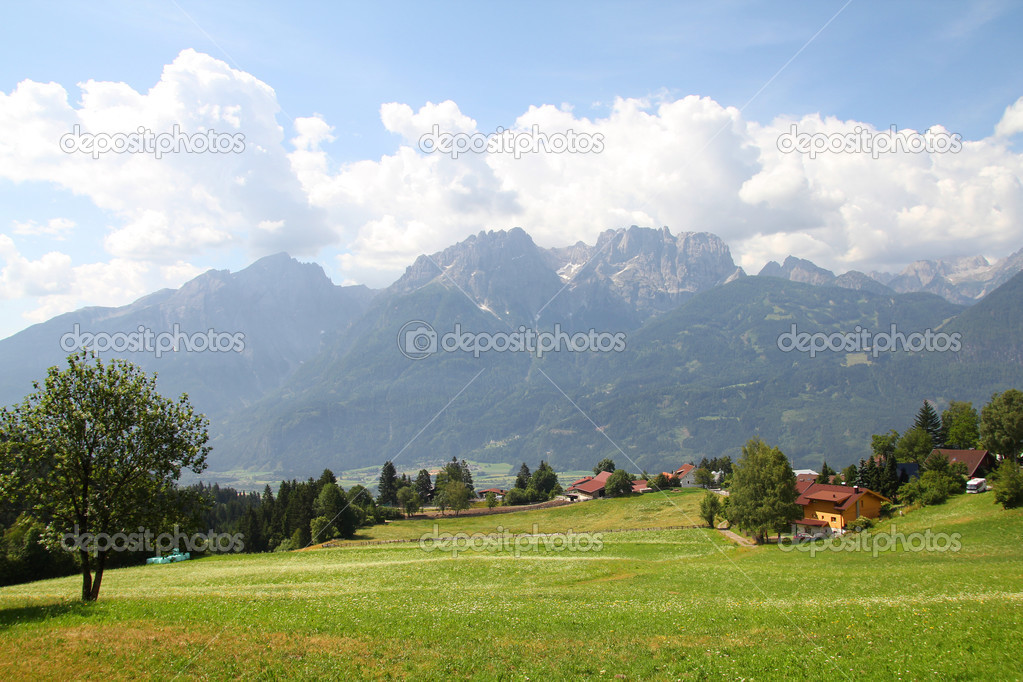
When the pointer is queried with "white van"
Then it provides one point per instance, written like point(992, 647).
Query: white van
point(976, 485)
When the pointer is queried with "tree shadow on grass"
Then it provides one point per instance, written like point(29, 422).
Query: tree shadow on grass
point(20, 615)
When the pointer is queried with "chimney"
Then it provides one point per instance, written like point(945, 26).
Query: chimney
point(856, 489)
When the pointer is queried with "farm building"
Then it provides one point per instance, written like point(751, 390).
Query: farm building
point(836, 505)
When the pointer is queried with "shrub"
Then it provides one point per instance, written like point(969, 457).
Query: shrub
point(618, 484)
point(1009, 491)
point(863, 523)
point(515, 497)
point(931, 488)
point(383, 513)
point(659, 482)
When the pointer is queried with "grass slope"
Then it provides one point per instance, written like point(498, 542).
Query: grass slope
point(681, 604)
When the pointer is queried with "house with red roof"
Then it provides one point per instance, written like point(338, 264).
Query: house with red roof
point(978, 462)
point(588, 487)
point(684, 474)
point(641, 487)
point(829, 507)
point(499, 493)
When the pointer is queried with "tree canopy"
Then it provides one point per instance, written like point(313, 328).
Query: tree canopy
point(763, 493)
point(1001, 423)
point(98, 450)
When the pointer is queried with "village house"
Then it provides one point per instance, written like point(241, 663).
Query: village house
point(832, 508)
point(498, 493)
point(587, 487)
point(979, 463)
point(684, 474)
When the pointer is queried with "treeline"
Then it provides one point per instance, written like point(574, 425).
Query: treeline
point(301, 513)
point(308, 512)
point(452, 488)
point(24, 556)
point(532, 487)
point(998, 427)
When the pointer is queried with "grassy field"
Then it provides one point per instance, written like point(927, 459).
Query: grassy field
point(679, 604)
point(674, 508)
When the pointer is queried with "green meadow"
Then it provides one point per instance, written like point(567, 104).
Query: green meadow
point(644, 604)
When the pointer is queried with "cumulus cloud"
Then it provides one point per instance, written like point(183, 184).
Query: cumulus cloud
point(688, 163)
point(1011, 121)
point(56, 285)
point(184, 202)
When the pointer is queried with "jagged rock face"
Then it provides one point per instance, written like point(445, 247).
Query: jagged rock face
point(504, 272)
point(964, 280)
point(628, 274)
point(959, 280)
point(654, 270)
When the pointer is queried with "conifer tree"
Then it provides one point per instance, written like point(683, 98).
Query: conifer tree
point(928, 420)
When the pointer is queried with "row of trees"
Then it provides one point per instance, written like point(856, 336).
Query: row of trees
point(306, 512)
point(451, 489)
point(763, 494)
point(532, 487)
point(998, 428)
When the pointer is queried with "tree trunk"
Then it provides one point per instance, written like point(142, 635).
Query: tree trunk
point(86, 575)
point(101, 560)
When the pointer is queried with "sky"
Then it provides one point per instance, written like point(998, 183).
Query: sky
point(695, 116)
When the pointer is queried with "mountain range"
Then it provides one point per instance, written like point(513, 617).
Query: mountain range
point(324, 379)
point(963, 280)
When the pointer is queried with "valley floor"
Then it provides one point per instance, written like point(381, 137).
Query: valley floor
point(673, 604)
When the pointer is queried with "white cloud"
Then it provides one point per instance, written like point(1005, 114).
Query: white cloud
point(181, 204)
point(54, 228)
point(56, 286)
point(688, 163)
point(1011, 121)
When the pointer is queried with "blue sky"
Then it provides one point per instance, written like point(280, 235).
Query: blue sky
point(914, 65)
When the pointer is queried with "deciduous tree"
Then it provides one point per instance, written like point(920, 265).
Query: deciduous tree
point(98, 450)
point(710, 507)
point(763, 492)
point(1001, 424)
point(618, 484)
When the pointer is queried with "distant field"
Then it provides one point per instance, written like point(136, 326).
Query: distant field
point(679, 507)
point(682, 604)
point(484, 474)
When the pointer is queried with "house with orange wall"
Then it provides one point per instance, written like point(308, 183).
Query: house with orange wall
point(835, 506)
